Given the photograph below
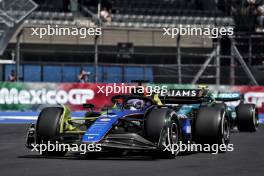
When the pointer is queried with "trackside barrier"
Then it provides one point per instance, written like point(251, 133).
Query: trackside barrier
point(21, 102)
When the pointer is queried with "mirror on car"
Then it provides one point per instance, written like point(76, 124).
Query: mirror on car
point(88, 106)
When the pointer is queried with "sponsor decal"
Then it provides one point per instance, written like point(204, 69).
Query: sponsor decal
point(182, 93)
point(228, 95)
point(105, 120)
point(43, 96)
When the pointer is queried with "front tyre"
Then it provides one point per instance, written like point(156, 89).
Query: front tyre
point(162, 128)
point(48, 128)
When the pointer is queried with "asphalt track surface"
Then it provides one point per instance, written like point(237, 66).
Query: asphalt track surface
point(246, 159)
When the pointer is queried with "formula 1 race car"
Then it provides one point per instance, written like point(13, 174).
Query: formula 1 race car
point(137, 122)
point(242, 115)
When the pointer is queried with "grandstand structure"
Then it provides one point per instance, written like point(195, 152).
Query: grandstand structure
point(132, 45)
point(12, 15)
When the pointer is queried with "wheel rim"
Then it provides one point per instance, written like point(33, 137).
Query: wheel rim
point(174, 133)
point(225, 132)
point(172, 137)
point(254, 118)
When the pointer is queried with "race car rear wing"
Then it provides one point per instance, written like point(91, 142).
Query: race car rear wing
point(228, 96)
point(184, 96)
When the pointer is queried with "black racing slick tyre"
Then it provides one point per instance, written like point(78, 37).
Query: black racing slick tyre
point(212, 126)
point(224, 107)
point(247, 118)
point(220, 105)
point(162, 128)
point(47, 128)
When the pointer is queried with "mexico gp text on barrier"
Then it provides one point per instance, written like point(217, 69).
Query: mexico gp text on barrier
point(33, 96)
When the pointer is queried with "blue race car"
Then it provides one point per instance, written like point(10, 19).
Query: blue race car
point(137, 122)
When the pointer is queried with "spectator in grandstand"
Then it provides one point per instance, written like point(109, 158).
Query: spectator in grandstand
point(257, 6)
point(83, 76)
point(106, 15)
point(258, 9)
point(12, 76)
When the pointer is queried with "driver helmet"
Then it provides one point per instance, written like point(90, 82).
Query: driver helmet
point(136, 104)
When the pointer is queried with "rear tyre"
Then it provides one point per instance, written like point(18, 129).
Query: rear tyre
point(220, 105)
point(212, 126)
point(47, 128)
point(162, 128)
point(223, 106)
point(247, 118)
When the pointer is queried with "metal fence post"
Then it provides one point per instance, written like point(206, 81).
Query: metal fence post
point(243, 64)
point(218, 63)
point(232, 66)
point(250, 50)
point(179, 59)
point(96, 44)
point(96, 59)
point(18, 38)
